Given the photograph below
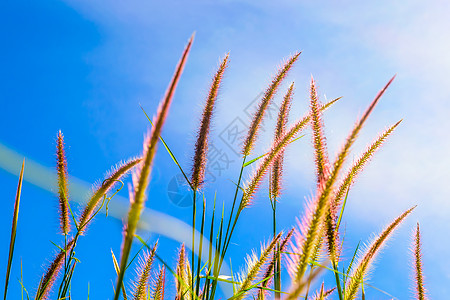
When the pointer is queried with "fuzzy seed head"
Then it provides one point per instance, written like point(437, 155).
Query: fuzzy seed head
point(359, 165)
point(305, 239)
point(253, 267)
point(63, 192)
point(201, 145)
point(143, 272)
point(332, 217)
point(264, 103)
point(420, 291)
point(278, 146)
point(319, 141)
point(323, 294)
point(117, 173)
point(342, 155)
point(159, 285)
point(362, 267)
point(183, 275)
point(52, 273)
point(270, 267)
point(277, 169)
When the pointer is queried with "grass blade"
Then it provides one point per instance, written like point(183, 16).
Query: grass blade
point(170, 153)
point(116, 267)
point(14, 228)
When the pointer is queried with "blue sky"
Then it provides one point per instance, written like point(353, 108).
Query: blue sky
point(84, 67)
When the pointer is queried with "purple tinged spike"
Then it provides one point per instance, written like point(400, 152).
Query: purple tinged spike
point(277, 169)
point(63, 192)
point(360, 270)
point(142, 175)
point(52, 273)
point(264, 103)
point(201, 145)
point(319, 141)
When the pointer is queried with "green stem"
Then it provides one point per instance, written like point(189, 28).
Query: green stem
point(199, 257)
point(193, 241)
point(229, 233)
point(309, 281)
point(235, 198)
point(277, 268)
point(338, 283)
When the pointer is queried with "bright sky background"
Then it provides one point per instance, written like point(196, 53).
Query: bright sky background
point(84, 67)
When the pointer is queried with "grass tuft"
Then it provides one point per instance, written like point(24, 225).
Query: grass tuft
point(199, 278)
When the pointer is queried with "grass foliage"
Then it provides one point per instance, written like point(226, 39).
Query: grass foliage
point(307, 250)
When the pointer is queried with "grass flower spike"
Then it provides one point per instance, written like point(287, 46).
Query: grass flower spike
point(275, 184)
point(332, 218)
point(304, 243)
point(183, 272)
point(360, 270)
point(274, 152)
point(159, 287)
point(254, 265)
point(323, 294)
point(63, 192)
point(313, 222)
point(354, 133)
point(201, 145)
point(270, 268)
point(312, 248)
point(264, 103)
point(141, 286)
point(319, 142)
point(117, 174)
point(360, 164)
point(277, 169)
point(421, 292)
point(141, 177)
point(49, 278)
point(277, 148)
